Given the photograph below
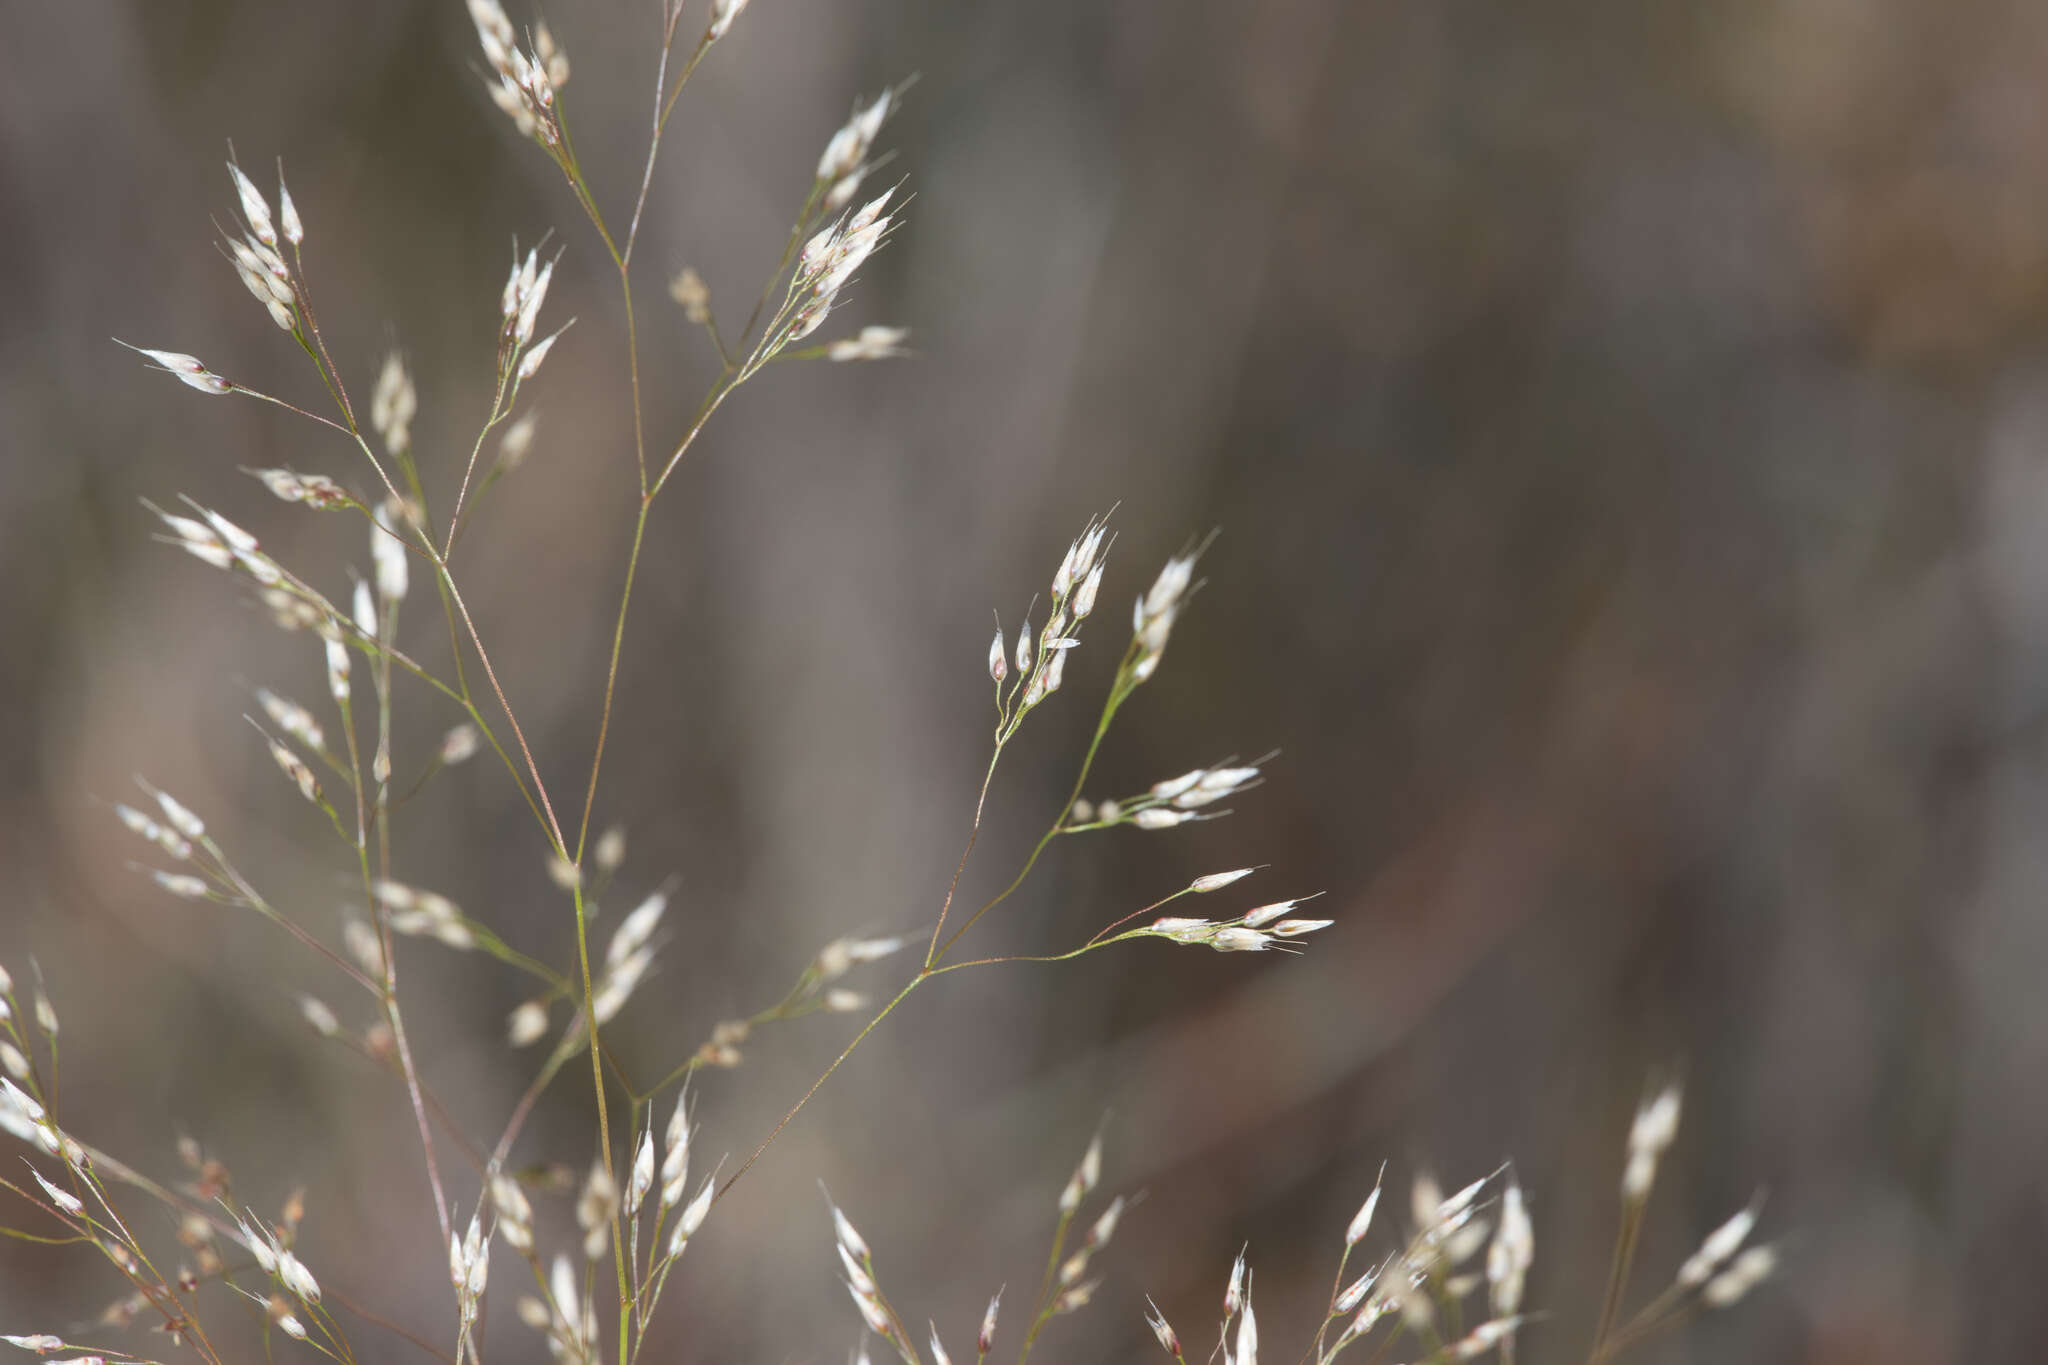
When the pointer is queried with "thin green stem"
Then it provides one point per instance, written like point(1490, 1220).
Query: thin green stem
point(973, 833)
point(1119, 691)
point(611, 677)
point(1618, 1272)
point(1041, 1312)
point(818, 1084)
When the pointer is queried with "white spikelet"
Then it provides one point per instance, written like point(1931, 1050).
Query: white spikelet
point(389, 555)
point(253, 208)
point(1361, 1222)
point(642, 1178)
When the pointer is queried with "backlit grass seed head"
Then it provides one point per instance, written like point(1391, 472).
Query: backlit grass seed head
point(1105, 1226)
point(675, 1160)
point(180, 885)
point(1182, 928)
point(271, 287)
point(985, 1340)
point(40, 1342)
point(1483, 1338)
point(998, 665)
point(260, 1246)
point(870, 343)
point(1295, 928)
point(872, 1313)
point(619, 984)
point(611, 849)
point(1361, 1222)
point(939, 1356)
point(1169, 1340)
point(416, 912)
point(1082, 560)
point(363, 945)
point(388, 553)
point(1355, 1292)
point(1260, 916)
point(1086, 1176)
point(337, 671)
point(1214, 785)
point(530, 363)
point(365, 609)
point(565, 1288)
point(1235, 938)
point(527, 1024)
point(20, 1114)
point(1720, 1244)
point(233, 536)
point(1216, 881)
point(188, 369)
point(692, 1217)
point(319, 1016)
point(844, 954)
point(642, 1178)
point(315, 490)
point(594, 1209)
point(288, 213)
point(1233, 1292)
point(856, 1274)
point(459, 745)
point(1247, 1352)
point(198, 539)
point(63, 1199)
point(290, 612)
point(849, 1236)
point(254, 211)
point(636, 929)
point(1655, 1126)
point(46, 1014)
point(829, 260)
point(297, 771)
point(841, 166)
point(515, 1214)
point(13, 1063)
point(692, 294)
point(1153, 615)
point(469, 1258)
point(165, 839)
point(723, 12)
point(1512, 1253)
point(1158, 817)
point(1751, 1269)
point(529, 308)
point(553, 60)
point(1084, 600)
point(1056, 668)
point(393, 403)
point(299, 1280)
point(517, 441)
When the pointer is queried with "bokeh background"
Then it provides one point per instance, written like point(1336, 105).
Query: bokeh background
point(1628, 430)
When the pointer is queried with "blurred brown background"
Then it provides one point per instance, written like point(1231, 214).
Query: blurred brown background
point(1628, 427)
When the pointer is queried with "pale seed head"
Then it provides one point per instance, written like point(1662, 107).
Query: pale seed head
point(1361, 1222)
point(985, 1341)
point(254, 210)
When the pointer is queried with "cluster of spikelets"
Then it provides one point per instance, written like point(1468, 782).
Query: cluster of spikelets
point(1451, 1287)
point(1067, 1286)
point(215, 1242)
point(635, 1206)
point(1436, 1297)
